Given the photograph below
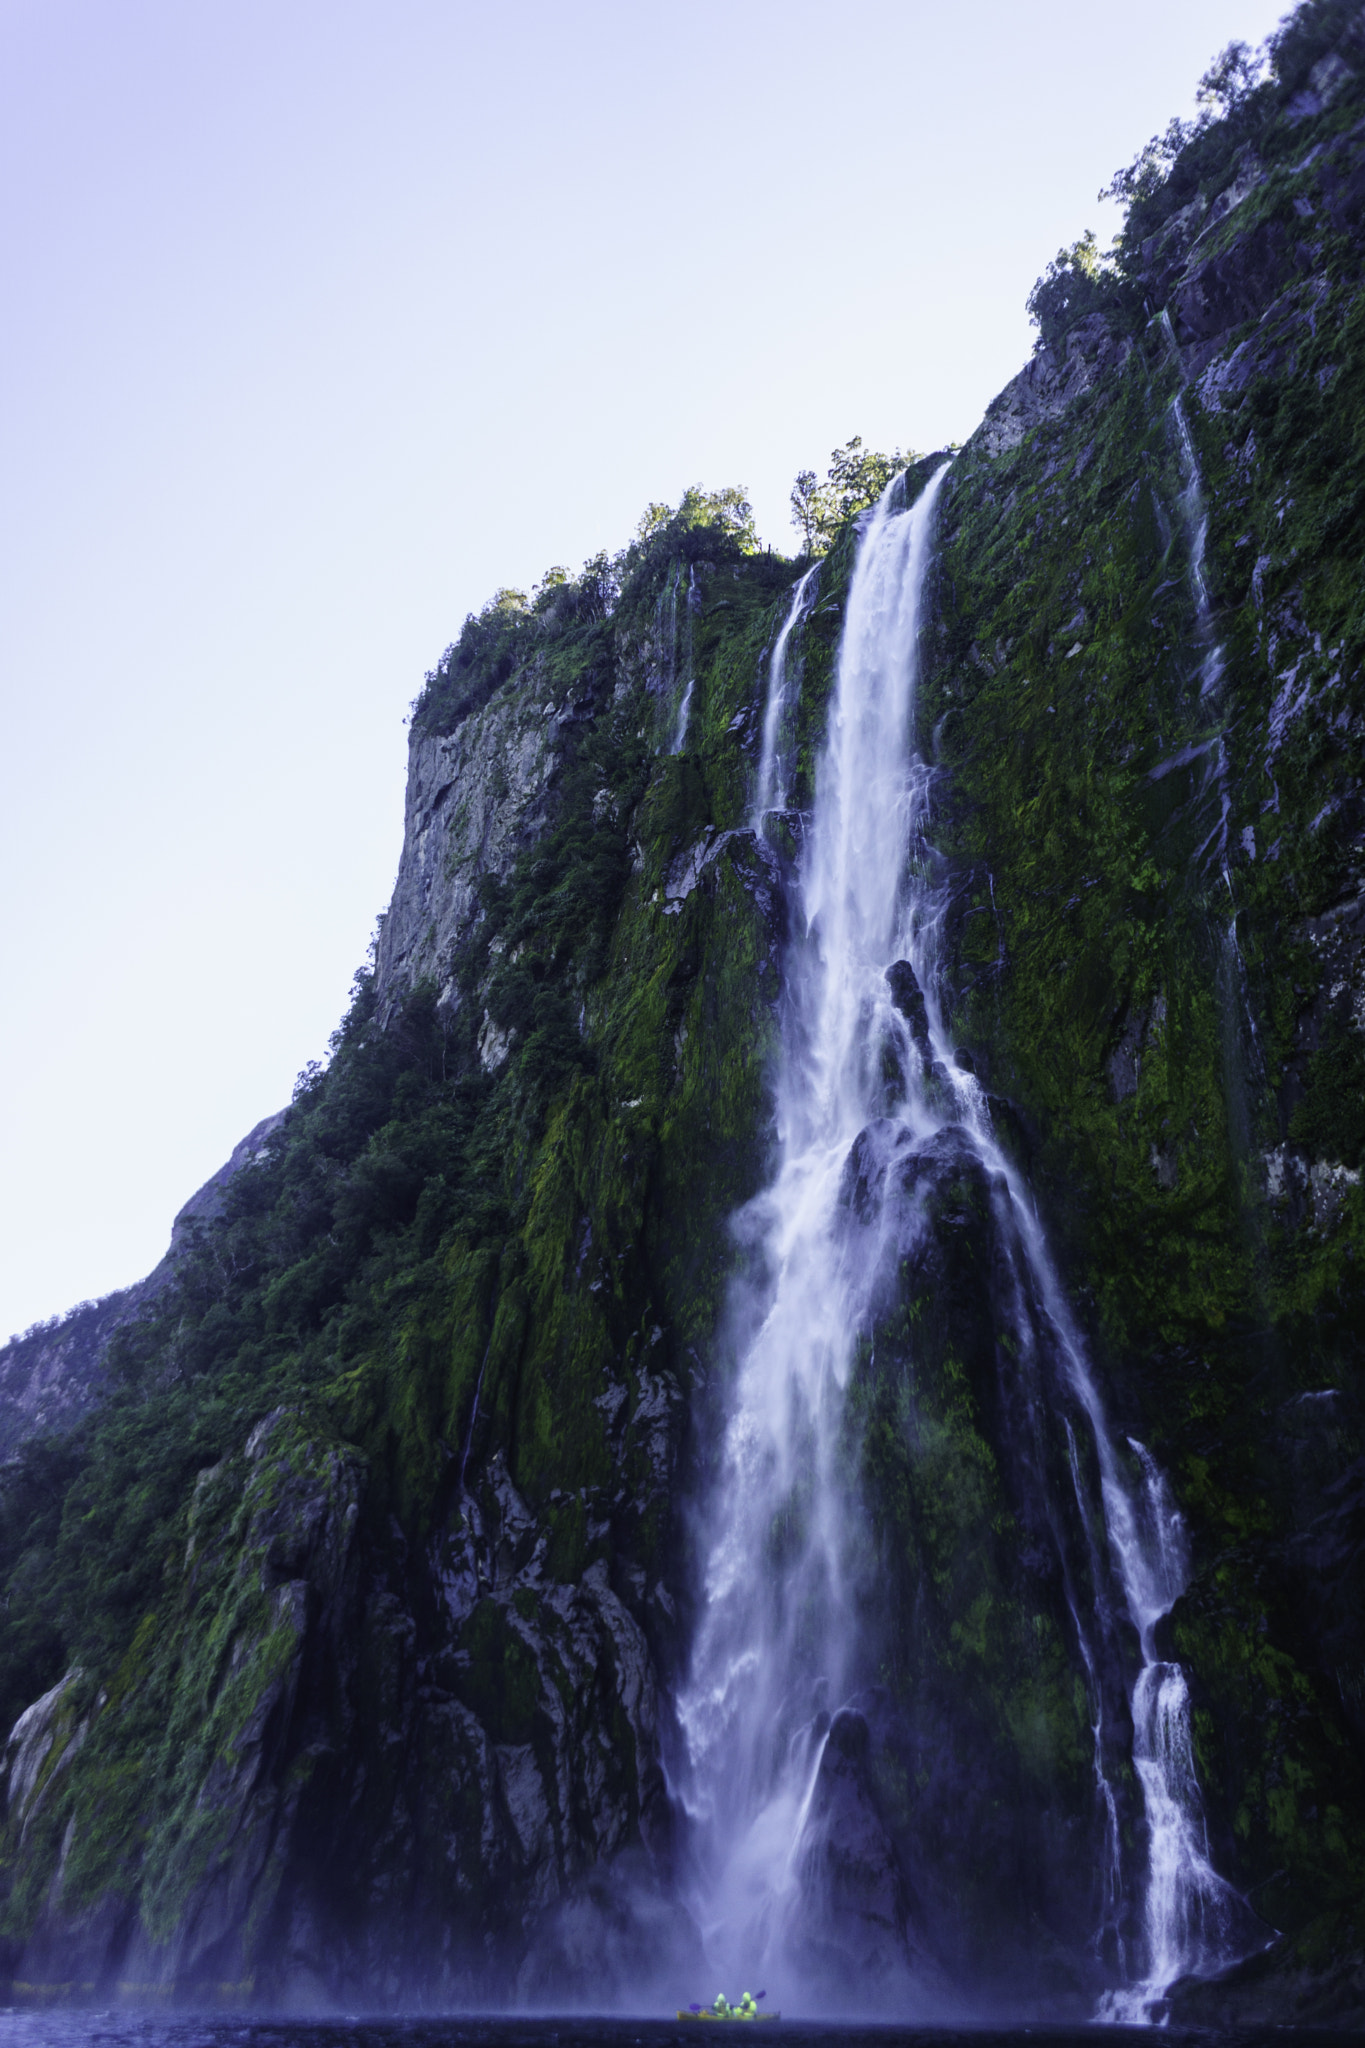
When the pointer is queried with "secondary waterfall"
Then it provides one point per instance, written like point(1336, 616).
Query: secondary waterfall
point(1194, 513)
point(776, 1648)
point(774, 757)
point(689, 677)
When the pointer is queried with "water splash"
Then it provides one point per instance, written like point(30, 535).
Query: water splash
point(776, 1647)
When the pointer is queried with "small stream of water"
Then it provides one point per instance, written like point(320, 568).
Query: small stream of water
point(774, 761)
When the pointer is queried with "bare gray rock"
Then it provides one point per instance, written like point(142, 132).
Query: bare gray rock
point(31, 1742)
point(1049, 383)
point(475, 798)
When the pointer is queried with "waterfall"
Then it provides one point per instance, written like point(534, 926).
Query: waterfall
point(771, 1646)
point(1194, 512)
point(684, 713)
point(693, 601)
point(1194, 1922)
point(773, 766)
point(776, 1648)
point(1195, 518)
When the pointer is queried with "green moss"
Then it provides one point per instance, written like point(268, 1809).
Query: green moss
point(1090, 951)
point(500, 1681)
point(451, 1280)
point(1330, 1120)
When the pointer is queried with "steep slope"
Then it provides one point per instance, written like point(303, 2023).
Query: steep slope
point(354, 1612)
point(383, 1667)
point(1151, 735)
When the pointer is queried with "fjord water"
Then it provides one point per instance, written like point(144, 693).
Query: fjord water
point(778, 1646)
point(121, 2028)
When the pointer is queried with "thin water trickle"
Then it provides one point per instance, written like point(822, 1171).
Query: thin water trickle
point(771, 788)
point(776, 1647)
point(1213, 662)
point(673, 656)
point(684, 713)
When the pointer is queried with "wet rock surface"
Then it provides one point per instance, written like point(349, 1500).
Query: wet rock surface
point(856, 1910)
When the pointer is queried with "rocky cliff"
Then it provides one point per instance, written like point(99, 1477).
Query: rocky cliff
point(54, 1373)
point(344, 1617)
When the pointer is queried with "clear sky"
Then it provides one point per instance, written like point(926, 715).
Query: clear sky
point(322, 319)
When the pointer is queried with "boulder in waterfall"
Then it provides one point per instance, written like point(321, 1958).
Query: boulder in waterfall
point(908, 997)
point(853, 1926)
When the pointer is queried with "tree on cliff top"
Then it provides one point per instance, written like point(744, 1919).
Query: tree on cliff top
point(1080, 280)
point(1223, 91)
point(1242, 99)
point(856, 478)
point(728, 508)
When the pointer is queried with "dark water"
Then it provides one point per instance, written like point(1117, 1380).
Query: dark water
point(118, 2029)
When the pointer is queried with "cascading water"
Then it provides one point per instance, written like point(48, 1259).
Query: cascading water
point(689, 684)
point(777, 1647)
point(767, 1640)
point(1193, 1920)
point(773, 766)
point(1195, 516)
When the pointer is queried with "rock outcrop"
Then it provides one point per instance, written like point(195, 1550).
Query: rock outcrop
point(54, 1373)
point(476, 798)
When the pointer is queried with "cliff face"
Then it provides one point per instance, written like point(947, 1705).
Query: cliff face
point(476, 798)
point(1150, 734)
point(352, 1613)
point(381, 1690)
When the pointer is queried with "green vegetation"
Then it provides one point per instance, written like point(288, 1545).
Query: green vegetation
point(368, 1561)
point(1151, 927)
point(854, 482)
point(1262, 103)
point(1080, 281)
point(1330, 1120)
point(442, 1267)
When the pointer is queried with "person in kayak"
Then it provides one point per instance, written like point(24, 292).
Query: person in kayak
point(747, 2009)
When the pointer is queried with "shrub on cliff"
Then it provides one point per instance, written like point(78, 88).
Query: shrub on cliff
point(1079, 281)
point(1243, 99)
point(714, 524)
point(855, 480)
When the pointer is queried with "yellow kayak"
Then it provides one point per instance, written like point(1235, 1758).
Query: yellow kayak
point(704, 2012)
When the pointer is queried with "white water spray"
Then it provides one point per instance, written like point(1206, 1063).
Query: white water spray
point(773, 1642)
point(1194, 1923)
point(684, 713)
point(776, 1645)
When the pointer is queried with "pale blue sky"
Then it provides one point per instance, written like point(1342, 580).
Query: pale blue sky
point(323, 320)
